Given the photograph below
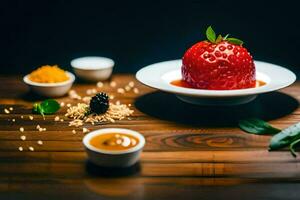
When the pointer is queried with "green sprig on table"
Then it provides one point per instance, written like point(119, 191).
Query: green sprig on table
point(282, 138)
point(46, 107)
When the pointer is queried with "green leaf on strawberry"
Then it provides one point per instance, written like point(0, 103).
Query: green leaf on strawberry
point(219, 38)
point(210, 34)
point(235, 41)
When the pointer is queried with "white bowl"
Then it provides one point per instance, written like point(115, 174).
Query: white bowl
point(50, 89)
point(159, 76)
point(93, 68)
point(106, 158)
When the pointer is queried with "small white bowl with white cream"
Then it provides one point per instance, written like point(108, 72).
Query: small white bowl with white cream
point(114, 147)
point(93, 68)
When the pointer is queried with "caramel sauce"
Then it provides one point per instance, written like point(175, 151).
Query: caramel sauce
point(114, 141)
point(182, 83)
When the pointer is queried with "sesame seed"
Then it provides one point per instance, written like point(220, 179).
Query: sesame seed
point(44, 129)
point(62, 104)
point(94, 91)
point(69, 105)
point(121, 90)
point(85, 130)
point(73, 131)
point(11, 108)
point(136, 90)
point(113, 84)
point(13, 120)
point(22, 116)
point(56, 118)
point(23, 137)
point(131, 84)
point(38, 127)
point(127, 88)
point(99, 84)
point(20, 148)
point(30, 117)
point(31, 148)
point(41, 129)
point(40, 142)
point(6, 111)
point(21, 129)
point(89, 92)
point(111, 96)
point(61, 120)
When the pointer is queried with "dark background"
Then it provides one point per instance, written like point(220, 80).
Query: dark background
point(138, 33)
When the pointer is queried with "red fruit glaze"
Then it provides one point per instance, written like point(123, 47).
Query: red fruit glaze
point(222, 66)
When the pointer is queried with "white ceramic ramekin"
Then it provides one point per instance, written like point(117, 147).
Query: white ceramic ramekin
point(50, 89)
point(93, 68)
point(105, 158)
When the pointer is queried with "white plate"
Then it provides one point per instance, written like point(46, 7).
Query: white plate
point(159, 76)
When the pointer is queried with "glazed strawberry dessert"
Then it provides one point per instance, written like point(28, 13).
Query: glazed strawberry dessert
point(218, 63)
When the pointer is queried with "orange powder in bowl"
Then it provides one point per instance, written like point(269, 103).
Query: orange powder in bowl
point(48, 74)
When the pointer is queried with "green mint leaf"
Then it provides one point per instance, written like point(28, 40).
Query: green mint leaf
point(210, 34)
point(219, 38)
point(49, 106)
point(285, 137)
point(35, 108)
point(235, 41)
point(257, 126)
point(292, 147)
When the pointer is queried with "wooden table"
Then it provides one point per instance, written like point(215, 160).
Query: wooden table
point(191, 152)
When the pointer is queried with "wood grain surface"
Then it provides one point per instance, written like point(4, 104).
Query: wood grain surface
point(191, 152)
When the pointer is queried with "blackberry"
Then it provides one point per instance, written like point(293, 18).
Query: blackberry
point(99, 103)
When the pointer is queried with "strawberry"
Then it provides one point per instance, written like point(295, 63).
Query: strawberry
point(220, 63)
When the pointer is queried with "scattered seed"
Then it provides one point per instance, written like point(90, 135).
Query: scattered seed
point(38, 127)
point(111, 96)
point(61, 120)
point(62, 104)
point(23, 137)
point(13, 120)
point(6, 111)
point(20, 148)
point(121, 90)
point(30, 117)
point(73, 95)
point(73, 131)
point(99, 84)
point(44, 129)
point(11, 108)
point(131, 84)
point(129, 105)
point(127, 88)
point(136, 90)
point(118, 102)
point(69, 105)
point(21, 129)
point(56, 118)
point(22, 116)
point(31, 148)
point(40, 142)
point(41, 129)
point(113, 84)
point(85, 130)
point(86, 99)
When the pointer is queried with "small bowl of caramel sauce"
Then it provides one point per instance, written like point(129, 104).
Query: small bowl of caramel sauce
point(114, 147)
